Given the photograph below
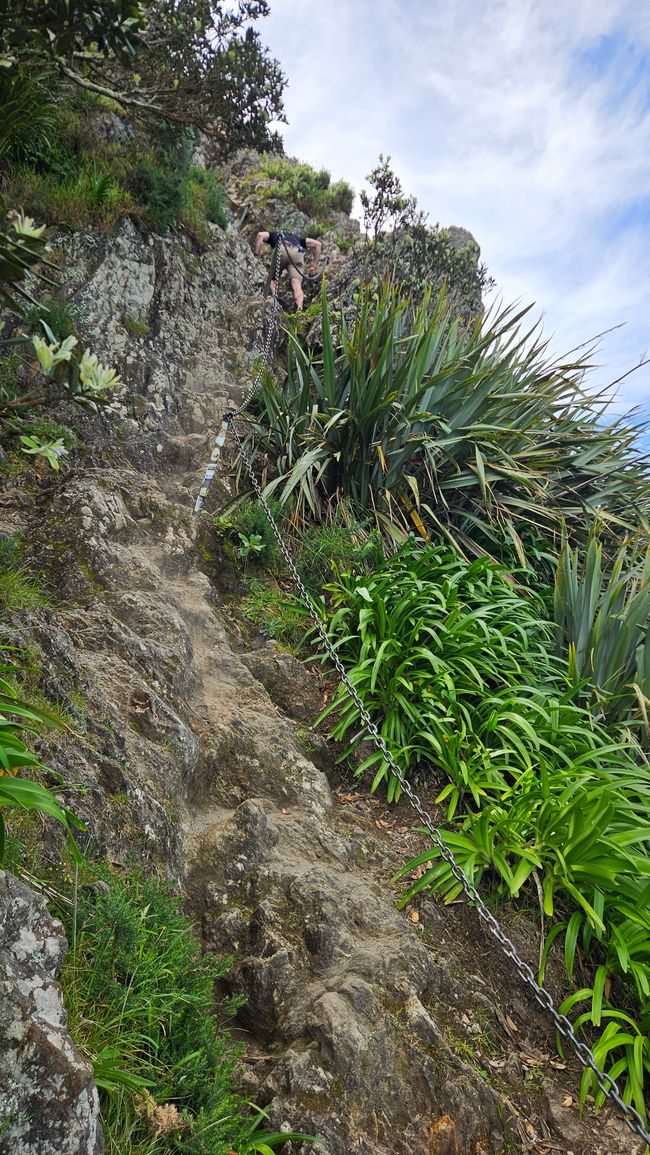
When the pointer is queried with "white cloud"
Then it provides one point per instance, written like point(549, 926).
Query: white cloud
point(525, 122)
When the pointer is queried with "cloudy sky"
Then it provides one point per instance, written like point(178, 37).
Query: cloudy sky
point(525, 121)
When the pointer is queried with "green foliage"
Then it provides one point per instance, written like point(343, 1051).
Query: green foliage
point(59, 314)
point(274, 614)
point(190, 63)
point(602, 618)
point(303, 187)
point(27, 117)
point(64, 372)
point(344, 544)
point(248, 520)
point(457, 669)
point(61, 29)
point(206, 66)
point(10, 551)
point(134, 327)
point(22, 248)
point(252, 545)
point(52, 451)
point(85, 197)
point(9, 369)
point(341, 197)
point(160, 189)
point(17, 792)
point(209, 193)
point(175, 192)
point(387, 207)
point(345, 244)
point(438, 650)
point(140, 998)
point(425, 255)
point(470, 434)
point(19, 590)
point(415, 255)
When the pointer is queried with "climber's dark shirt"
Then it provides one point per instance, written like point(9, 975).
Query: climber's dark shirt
point(292, 239)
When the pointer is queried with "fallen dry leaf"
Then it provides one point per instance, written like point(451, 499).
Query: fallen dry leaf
point(444, 1140)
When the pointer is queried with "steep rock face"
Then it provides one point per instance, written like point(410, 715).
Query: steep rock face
point(338, 988)
point(48, 1100)
point(185, 758)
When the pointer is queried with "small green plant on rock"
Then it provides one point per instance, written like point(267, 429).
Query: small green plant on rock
point(134, 327)
point(250, 546)
point(248, 524)
point(275, 614)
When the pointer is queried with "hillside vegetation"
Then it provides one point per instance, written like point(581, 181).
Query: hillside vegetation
point(470, 520)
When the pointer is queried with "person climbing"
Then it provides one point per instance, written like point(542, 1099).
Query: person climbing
point(292, 257)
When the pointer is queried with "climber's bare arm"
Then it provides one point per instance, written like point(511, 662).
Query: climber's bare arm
point(259, 241)
point(315, 248)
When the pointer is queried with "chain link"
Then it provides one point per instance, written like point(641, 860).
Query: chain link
point(607, 1085)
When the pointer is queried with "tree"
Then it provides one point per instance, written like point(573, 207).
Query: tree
point(188, 61)
point(410, 252)
point(389, 208)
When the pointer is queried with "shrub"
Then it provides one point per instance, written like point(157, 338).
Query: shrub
point(304, 187)
point(602, 615)
point(457, 670)
point(437, 648)
point(323, 551)
point(215, 197)
point(342, 197)
point(247, 520)
point(160, 190)
point(19, 718)
point(27, 114)
point(60, 316)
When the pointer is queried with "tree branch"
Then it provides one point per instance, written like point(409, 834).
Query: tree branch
point(122, 98)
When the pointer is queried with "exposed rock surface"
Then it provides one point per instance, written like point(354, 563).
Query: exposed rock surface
point(48, 1100)
point(186, 758)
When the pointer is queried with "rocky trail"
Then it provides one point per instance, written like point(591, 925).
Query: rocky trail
point(380, 1034)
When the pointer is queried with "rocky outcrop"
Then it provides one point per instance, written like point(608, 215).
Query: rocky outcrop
point(338, 987)
point(187, 758)
point(48, 1100)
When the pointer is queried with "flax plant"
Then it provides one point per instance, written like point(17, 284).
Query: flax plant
point(470, 433)
point(602, 615)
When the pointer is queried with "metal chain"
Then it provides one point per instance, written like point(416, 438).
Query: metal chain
point(564, 1026)
point(265, 363)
